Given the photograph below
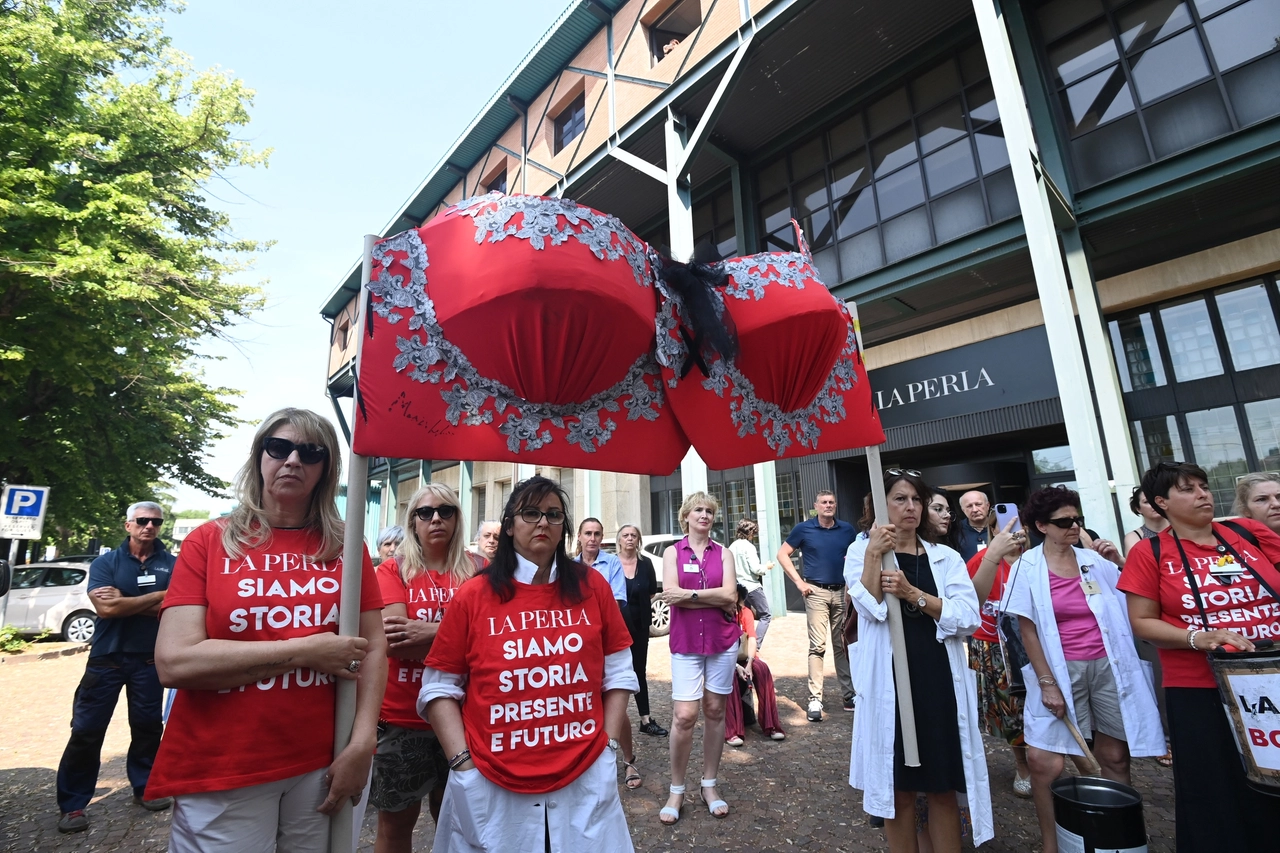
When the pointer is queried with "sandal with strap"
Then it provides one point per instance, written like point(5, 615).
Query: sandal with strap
point(668, 811)
point(632, 778)
point(712, 805)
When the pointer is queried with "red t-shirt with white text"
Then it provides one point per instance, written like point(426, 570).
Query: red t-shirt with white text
point(424, 599)
point(533, 711)
point(268, 730)
point(1242, 606)
point(991, 607)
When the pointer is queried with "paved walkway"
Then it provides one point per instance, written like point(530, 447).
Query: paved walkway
point(788, 796)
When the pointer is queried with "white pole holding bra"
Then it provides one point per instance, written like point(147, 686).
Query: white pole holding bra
point(889, 563)
point(353, 552)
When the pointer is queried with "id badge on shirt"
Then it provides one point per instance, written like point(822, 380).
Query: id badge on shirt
point(146, 580)
point(692, 568)
point(1089, 586)
point(1226, 566)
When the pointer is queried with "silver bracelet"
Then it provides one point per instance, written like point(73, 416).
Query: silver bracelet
point(1047, 681)
point(1191, 638)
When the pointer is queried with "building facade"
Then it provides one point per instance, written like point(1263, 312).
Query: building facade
point(1058, 221)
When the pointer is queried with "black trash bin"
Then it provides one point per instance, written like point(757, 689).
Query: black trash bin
point(1095, 814)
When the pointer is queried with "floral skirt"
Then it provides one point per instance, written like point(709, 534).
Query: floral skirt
point(999, 710)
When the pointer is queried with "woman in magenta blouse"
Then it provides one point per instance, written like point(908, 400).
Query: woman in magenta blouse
point(702, 594)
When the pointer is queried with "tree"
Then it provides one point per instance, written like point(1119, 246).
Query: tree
point(113, 265)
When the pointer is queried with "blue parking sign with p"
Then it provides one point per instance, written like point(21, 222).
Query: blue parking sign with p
point(26, 502)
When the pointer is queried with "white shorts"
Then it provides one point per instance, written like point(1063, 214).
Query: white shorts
point(276, 817)
point(690, 673)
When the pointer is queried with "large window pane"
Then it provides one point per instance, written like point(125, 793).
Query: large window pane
point(846, 136)
point(1062, 16)
point(1082, 54)
point(856, 208)
point(900, 191)
point(1156, 440)
point(1250, 326)
point(1192, 347)
point(1264, 424)
point(940, 126)
point(1001, 196)
point(1137, 357)
point(1208, 7)
point(906, 235)
point(1141, 24)
point(935, 84)
point(1215, 441)
point(817, 228)
point(1052, 460)
point(807, 159)
point(1110, 151)
point(1187, 119)
point(982, 103)
point(888, 112)
point(1097, 100)
point(775, 212)
point(958, 213)
point(892, 151)
point(993, 153)
point(773, 178)
point(1253, 91)
point(811, 194)
point(860, 254)
point(1250, 29)
point(1169, 66)
point(950, 167)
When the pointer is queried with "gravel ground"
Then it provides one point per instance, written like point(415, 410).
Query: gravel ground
point(784, 796)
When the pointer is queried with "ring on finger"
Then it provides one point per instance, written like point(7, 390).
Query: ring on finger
point(354, 666)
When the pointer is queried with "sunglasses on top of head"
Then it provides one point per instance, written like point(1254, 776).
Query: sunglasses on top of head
point(282, 448)
point(902, 472)
point(143, 521)
point(1066, 523)
point(424, 513)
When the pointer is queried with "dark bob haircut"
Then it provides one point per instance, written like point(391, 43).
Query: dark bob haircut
point(1043, 503)
point(926, 530)
point(1134, 503)
point(1163, 477)
point(571, 575)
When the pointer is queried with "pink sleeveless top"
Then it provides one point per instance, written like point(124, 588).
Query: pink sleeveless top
point(703, 630)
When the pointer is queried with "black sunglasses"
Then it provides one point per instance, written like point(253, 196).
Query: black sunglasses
point(282, 448)
point(1066, 523)
point(902, 472)
point(143, 521)
point(532, 515)
point(424, 513)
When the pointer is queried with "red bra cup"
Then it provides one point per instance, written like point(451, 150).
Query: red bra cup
point(515, 328)
point(797, 385)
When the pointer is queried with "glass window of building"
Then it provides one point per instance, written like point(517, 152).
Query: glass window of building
point(1193, 348)
point(1215, 440)
point(1139, 81)
point(714, 223)
point(791, 509)
point(1052, 460)
point(571, 122)
point(1157, 440)
point(1136, 352)
point(1249, 325)
point(1264, 428)
point(918, 166)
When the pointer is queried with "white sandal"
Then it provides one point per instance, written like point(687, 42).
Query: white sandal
point(714, 804)
point(668, 812)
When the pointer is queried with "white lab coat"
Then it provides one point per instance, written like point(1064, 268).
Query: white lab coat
point(1029, 596)
point(871, 759)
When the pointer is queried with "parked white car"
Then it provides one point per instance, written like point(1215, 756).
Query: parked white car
point(654, 545)
point(52, 597)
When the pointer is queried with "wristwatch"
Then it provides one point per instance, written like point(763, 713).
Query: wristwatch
point(612, 744)
point(694, 596)
point(920, 602)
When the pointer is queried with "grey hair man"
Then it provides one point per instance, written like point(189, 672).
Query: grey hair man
point(973, 528)
point(126, 588)
point(486, 544)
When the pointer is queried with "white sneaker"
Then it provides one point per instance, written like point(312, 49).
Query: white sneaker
point(815, 711)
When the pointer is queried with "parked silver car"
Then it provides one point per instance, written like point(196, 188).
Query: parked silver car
point(654, 545)
point(52, 597)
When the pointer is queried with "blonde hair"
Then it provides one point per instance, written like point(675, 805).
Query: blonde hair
point(412, 561)
point(639, 538)
point(1244, 490)
point(695, 499)
point(248, 527)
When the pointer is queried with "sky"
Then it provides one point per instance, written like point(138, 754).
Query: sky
point(359, 102)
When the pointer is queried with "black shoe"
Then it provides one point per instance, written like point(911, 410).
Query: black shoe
point(848, 704)
point(153, 805)
point(652, 728)
point(875, 820)
point(76, 821)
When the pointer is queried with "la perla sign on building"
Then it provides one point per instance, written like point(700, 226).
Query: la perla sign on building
point(991, 374)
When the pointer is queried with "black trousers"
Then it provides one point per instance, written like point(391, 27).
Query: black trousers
point(1215, 809)
point(638, 628)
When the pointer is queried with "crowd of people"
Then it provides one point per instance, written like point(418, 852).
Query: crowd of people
point(494, 681)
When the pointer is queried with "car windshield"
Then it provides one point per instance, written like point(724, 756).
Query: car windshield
point(26, 578)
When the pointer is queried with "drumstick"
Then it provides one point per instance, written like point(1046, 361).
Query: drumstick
point(1088, 753)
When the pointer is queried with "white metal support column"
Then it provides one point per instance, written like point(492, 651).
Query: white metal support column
point(1051, 277)
point(469, 521)
point(766, 483)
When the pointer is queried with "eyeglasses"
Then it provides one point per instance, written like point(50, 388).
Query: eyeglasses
point(902, 472)
point(1066, 523)
point(282, 448)
point(941, 509)
point(532, 515)
point(143, 521)
point(424, 513)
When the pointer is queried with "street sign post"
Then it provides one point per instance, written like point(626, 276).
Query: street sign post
point(22, 511)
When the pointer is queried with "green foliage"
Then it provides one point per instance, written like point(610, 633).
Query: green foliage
point(112, 264)
point(13, 643)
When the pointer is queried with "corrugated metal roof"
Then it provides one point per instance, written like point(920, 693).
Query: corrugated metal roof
point(565, 38)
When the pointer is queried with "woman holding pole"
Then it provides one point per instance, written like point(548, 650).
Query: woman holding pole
point(939, 609)
point(249, 634)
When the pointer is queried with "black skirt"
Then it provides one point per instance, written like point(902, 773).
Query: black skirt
point(937, 726)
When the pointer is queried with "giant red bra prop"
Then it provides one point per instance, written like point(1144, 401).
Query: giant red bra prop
point(520, 328)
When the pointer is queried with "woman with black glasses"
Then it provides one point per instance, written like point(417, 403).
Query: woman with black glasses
point(249, 633)
point(417, 586)
point(1083, 658)
point(527, 685)
point(1189, 594)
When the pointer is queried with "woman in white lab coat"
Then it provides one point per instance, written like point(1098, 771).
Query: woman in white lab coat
point(1084, 664)
point(940, 609)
